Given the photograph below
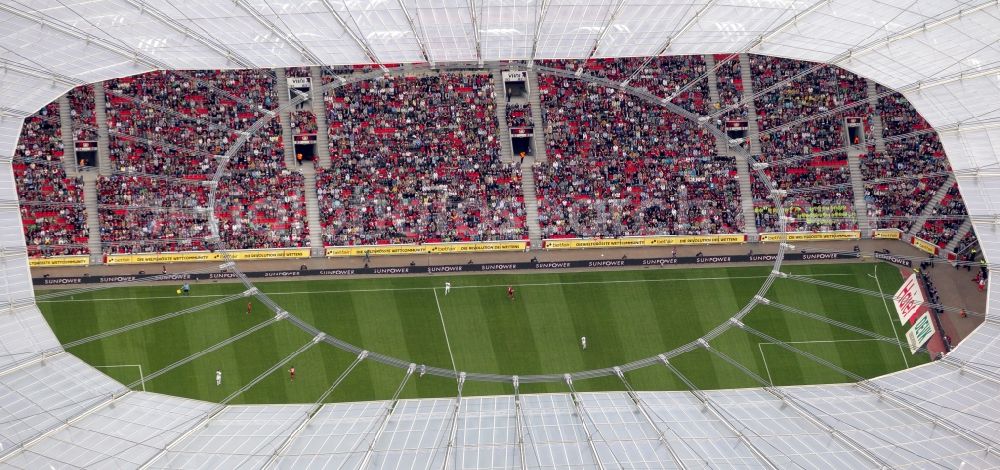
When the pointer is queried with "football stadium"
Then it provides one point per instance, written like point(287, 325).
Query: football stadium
point(499, 234)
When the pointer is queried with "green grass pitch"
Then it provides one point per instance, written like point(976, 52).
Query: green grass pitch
point(625, 315)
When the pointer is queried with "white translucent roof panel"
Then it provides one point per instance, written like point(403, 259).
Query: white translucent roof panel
point(40, 396)
point(338, 435)
point(23, 335)
point(624, 437)
point(508, 28)
point(26, 93)
point(487, 434)
point(233, 25)
point(554, 434)
point(897, 434)
point(982, 347)
point(316, 28)
point(383, 27)
point(238, 437)
point(832, 28)
point(415, 434)
point(783, 434)
point(15, 278)
point(731, 25)
point(447, 28)
point(125, 434)
point(10, 131)
point(125, 25)
point(642, 26)
point(697, 436)
point(571, 28)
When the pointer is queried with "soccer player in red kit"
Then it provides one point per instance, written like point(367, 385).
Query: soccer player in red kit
point(510, 292)
point(291, 374)
point(249, 307)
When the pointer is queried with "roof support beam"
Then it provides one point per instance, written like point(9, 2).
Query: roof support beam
point(519, 424)
point(453, 435)
point(131, 54)
point(670, 39)
point(317, 406)
point(370, 452)
point(582, 414)
point(362, 44)
point(7, 65)
point(285, 36)
point(416, 35)
point(475, 31)
point(146, 9)
point(538, 27)
point(716, 411)
point(640, 406)
point(606, 27)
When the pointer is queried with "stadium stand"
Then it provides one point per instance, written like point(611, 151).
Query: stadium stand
point(618, 166)
point(779, 110)
point(941, 231)
point(916, 163)
point(51, 203)
point(610, 173)
point(81, 100)
point(416, 159)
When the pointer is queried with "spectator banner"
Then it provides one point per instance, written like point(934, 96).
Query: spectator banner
point(887, 233)
point(909, 299)
point(810, 236)
point(55, 261)
point(374, 250)
point(463, 247)
point(665, 240)
point(190, 256)
point(448, 268)
point(924, 245)
point(414, 249)
point(922, 331)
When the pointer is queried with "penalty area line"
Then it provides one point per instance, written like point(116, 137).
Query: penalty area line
point(760, 347)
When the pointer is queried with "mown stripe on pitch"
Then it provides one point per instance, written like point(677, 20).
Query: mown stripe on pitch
point(512, 333)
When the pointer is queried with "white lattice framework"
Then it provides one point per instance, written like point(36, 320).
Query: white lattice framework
point(942, 54)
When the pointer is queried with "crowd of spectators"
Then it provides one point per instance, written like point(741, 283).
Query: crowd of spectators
point(618, 166)
point(303, 123)
point(416, 159)
point(519, 115)
point(944, 219)
point(177, 123)
point(807, 90)
point(729, 80)
point(663, 76)
point(141, 214)
point(52, 210)
point(262, 208)
point(81, 100)
point(901, 181)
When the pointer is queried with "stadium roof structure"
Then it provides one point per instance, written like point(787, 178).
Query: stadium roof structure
point(943, 55)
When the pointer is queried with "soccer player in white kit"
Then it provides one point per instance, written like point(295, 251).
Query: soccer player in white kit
point(447, 288)
point(583, 342)
point(218, 378)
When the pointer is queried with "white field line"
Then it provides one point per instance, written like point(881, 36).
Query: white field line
point(761, 349)
point(446, 340)
point(392, 289)
point(142, 379)
point(892, 321)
